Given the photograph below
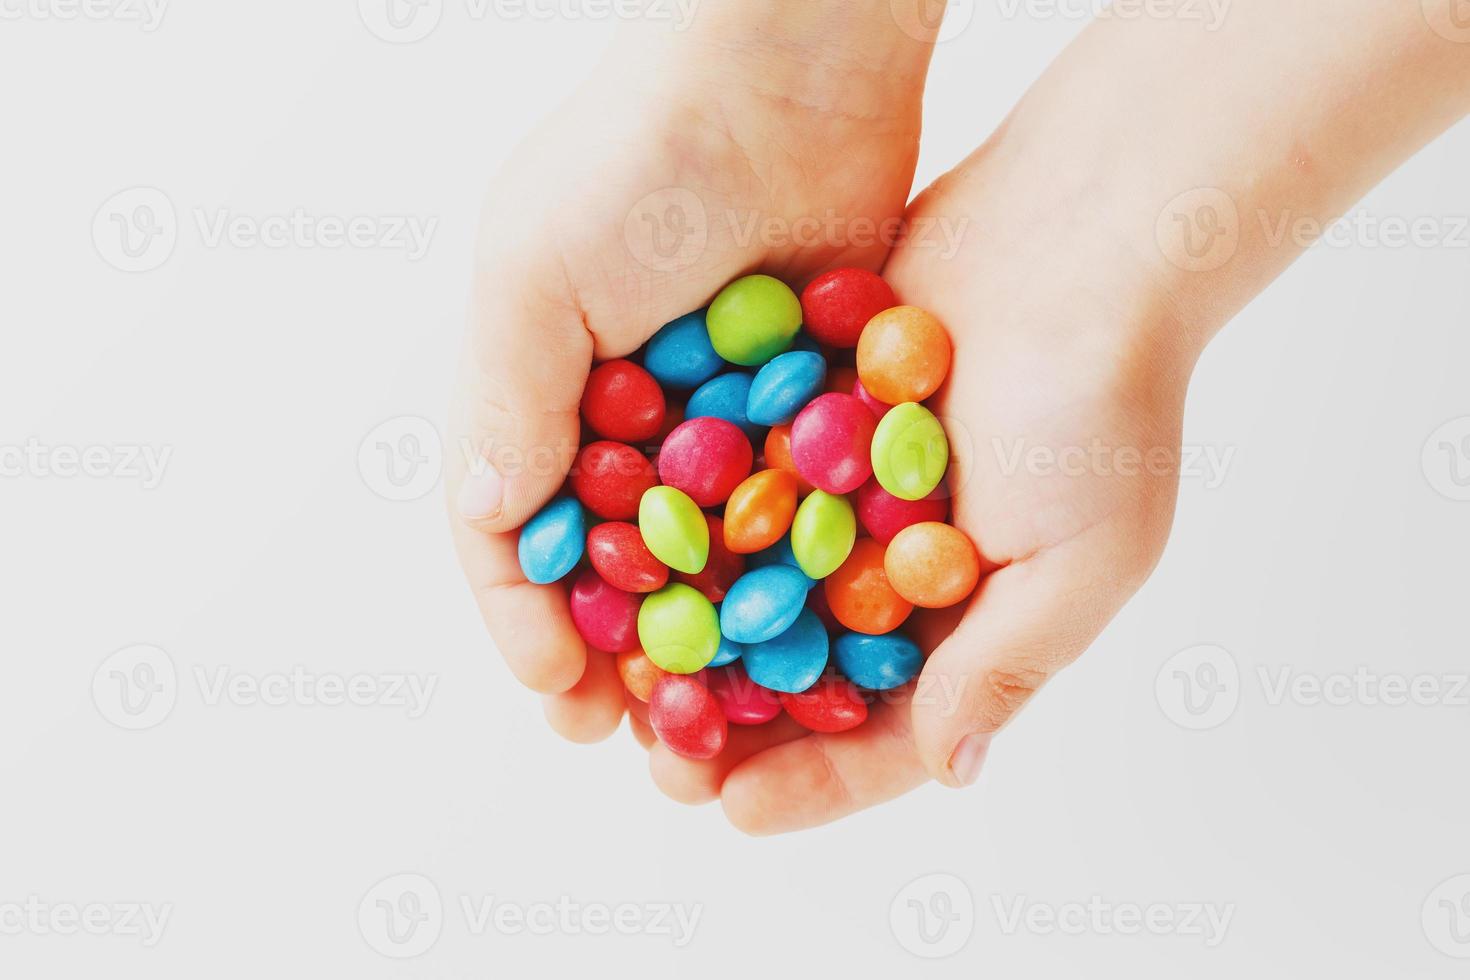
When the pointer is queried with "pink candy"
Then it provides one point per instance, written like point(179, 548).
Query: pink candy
point(706, 458)
point(606, 617)
point(743, 701)
point(883, 515)
point(831, 443)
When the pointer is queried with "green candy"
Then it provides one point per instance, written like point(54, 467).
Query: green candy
point(753, 319)
point(679, 629)
point(674, 529)
point(910, 452)
point(823, 533)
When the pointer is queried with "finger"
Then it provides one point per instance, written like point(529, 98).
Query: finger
point(696, 782)
point(593, 708)
point(530, 624)
point(821, 778)
point(642, 731)
point(1025, 623)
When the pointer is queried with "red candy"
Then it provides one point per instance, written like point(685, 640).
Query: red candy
point(617, 551)
point(706, 458)
point(722, 569)
point(879, 409)
point(606, 617)
point(686, 717)
point(883, 515)
point(743, 701)
point(623, 402)
point(609, 478)
point(832, 441)
point(831, 705)
point(836, 306)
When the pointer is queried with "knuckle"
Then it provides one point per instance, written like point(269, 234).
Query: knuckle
point(1005, 691)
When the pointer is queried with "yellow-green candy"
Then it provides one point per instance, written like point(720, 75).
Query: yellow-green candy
point(674, 529)
point(910, 451)
point(679, 629)
point(823, 533)
point(753, 319)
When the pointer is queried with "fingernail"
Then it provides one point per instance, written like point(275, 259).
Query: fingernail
point(968, 758)
point(481, 493)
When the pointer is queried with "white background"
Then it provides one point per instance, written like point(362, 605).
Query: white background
point(265, 547)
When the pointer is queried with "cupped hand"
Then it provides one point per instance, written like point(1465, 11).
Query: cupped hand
point(1064, 407)
point(676, 169)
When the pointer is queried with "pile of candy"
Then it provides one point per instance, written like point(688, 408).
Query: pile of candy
point(704, 556)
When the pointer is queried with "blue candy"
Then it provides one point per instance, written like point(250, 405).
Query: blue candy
point(725, 398)
point(779, 553)
point(762, 604)
point(793, 661)
point(878, 663)
point(680, 354)
point(784, 386)
point(552, 542)
point(728, 653)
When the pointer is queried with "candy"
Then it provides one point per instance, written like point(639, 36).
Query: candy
point(706, 458)
point(552, 542)
point(686, 718)
point(753, 319)
point(816, 601)
point(760, 510)
point(878, 663)
point(729, 652)
point(780, 553)
point(831, 705)
point(860, 596)
point(837, 306)
point(903, 355)
point(832, 443)
point(610, 479)
point(673, 529)
point(793, 661)
point(910, 452)
point(680, 354)
point(778, 456)
point(606, 617)
point(623, 402)
point(721, 570)
point(639, 674)
point(725, 398)
point(804, 341)
point(879, 409)
point(762, 604)
point(679, 629)
point(617, 551)
point(743, 701)
point(822, 533)
point(883, 515)
point(783, 386)
point(841, 380)
point(932, 565)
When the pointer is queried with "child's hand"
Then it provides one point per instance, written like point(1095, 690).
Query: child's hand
point(720, 141)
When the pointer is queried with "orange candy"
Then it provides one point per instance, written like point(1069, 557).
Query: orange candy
point(860, 596)
point(639, 674)
point(903, 355)
point(778, 456)
point(932, 565)
point(760, 510)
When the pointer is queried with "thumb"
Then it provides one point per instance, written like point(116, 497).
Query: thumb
point(1027, 621)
